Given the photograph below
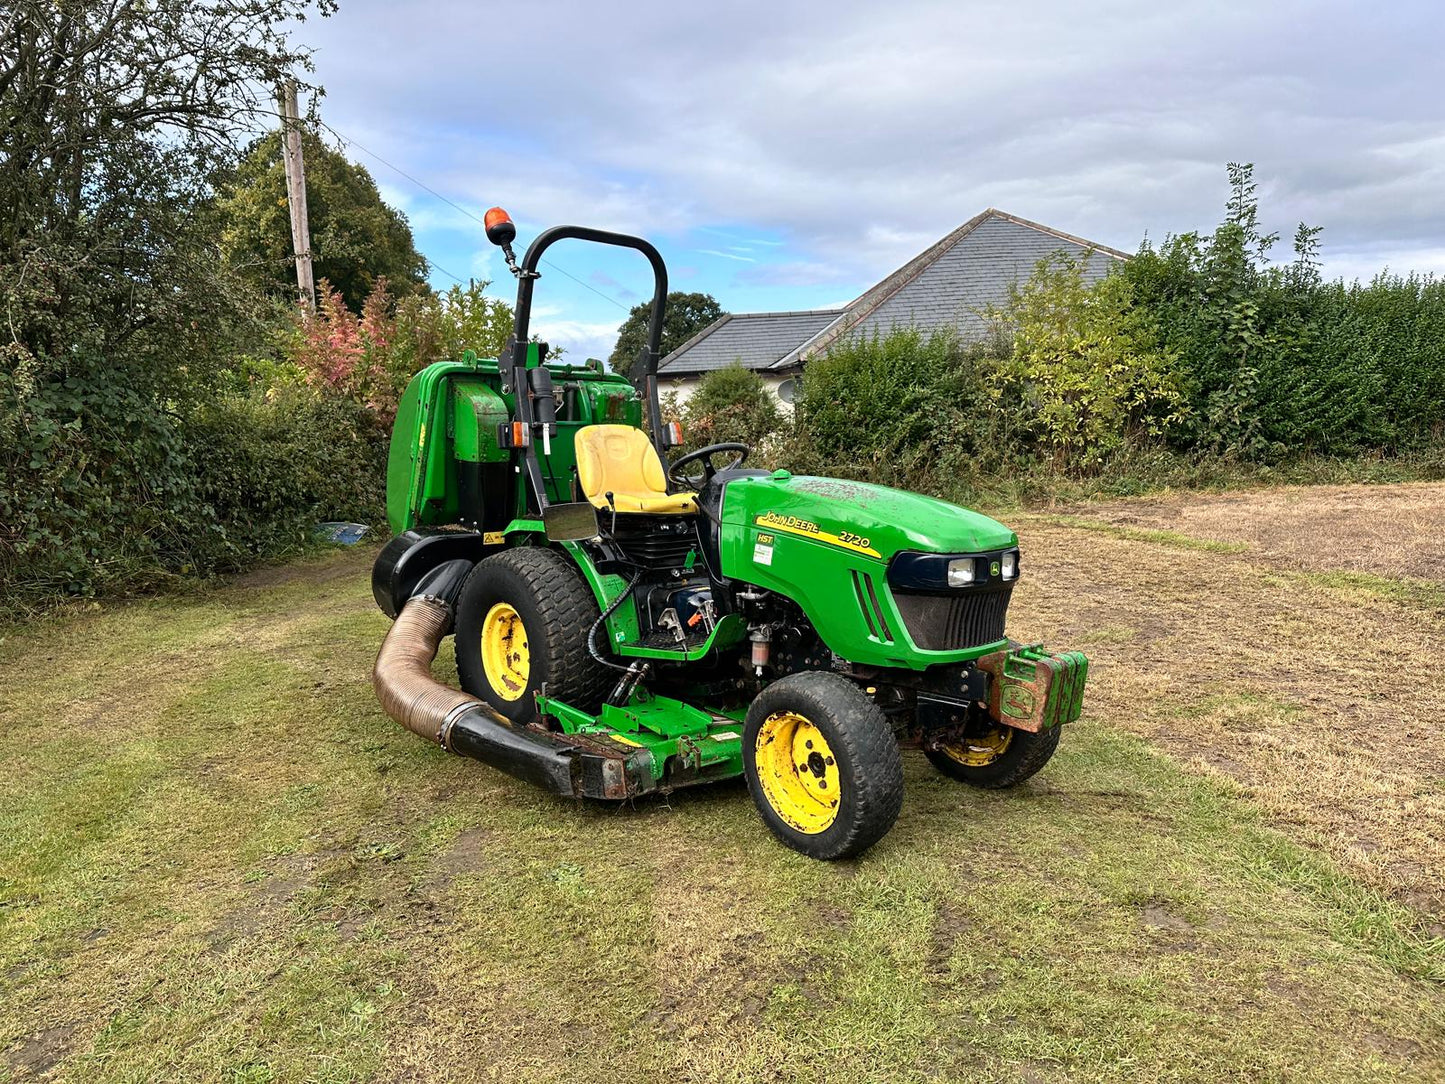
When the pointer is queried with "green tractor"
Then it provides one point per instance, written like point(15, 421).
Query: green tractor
point(625, 627)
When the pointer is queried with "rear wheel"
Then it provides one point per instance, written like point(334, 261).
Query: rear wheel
point(993, 756)
point(522, 620)
point(822, 765)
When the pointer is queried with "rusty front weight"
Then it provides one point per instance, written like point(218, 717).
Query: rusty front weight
point(1032, 689)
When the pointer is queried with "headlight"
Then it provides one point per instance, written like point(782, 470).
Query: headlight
point(960, 571)
point(939, 572)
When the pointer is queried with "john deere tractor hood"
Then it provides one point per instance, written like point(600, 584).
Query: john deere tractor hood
point(868, 520)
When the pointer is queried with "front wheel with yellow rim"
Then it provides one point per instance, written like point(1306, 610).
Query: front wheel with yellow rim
point(822, 765)
point(989, 755)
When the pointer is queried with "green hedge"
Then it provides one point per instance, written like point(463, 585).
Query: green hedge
point(1279, 363)
point(270, 467)
point(105, 488)
point(903, 409)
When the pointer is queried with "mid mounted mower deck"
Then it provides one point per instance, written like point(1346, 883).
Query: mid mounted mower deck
point(624, 628)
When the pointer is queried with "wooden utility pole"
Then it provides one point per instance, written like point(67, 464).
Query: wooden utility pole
point(296, 192)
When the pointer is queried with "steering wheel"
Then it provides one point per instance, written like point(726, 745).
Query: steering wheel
point(705, 454)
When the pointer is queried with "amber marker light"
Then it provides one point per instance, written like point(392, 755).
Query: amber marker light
point(501, 230)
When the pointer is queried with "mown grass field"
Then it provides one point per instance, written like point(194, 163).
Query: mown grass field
point(220, 861)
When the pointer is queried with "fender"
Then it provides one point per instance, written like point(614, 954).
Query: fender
point(409, 556)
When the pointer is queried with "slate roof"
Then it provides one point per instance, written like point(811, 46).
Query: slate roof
point(952, 282)
point(756, 339)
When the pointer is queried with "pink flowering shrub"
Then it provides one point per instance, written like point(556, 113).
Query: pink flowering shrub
point(369, 358)
point(346, 354)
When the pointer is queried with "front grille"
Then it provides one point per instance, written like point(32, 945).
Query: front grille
point(955, 622)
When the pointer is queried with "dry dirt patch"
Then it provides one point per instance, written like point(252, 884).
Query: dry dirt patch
point(1322, 700)
point(1391, 531)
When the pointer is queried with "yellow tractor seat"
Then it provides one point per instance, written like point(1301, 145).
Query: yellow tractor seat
point(620, 460)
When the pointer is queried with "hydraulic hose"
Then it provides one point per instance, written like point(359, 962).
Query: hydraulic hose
point(602, 620)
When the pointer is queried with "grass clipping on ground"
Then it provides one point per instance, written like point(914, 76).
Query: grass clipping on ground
point(220, 861)
point(1283, 663)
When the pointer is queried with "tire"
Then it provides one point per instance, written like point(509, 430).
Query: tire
point(974, 763)
point(853, 755)
point(541, 612)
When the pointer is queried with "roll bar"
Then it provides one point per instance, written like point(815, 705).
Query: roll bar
point(644, 370)
point(536, 401)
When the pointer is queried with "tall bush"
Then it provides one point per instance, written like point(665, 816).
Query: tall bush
point(433, 327)
point(1277, 362)
point(901, 408)
point(370, 357)
point(1235, 323)
point(730, 404)
point(1086, 374)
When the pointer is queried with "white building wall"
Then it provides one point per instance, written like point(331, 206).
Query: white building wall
point(683, 386)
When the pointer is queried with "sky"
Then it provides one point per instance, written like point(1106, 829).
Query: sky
point(788, 155)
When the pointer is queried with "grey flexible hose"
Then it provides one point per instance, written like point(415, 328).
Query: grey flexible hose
point(602, 620)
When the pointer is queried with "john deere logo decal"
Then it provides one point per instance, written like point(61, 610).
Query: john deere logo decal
point(993, 568)
point(773, 521)
point(1016, 701)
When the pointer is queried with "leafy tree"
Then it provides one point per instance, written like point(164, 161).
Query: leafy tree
point(115, 119)
point(1086, 374)
point(356, 239)
point(730, 404)
point(369, 358)
point(684, 317)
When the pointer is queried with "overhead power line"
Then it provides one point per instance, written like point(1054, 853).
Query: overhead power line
point(431, 263)
point(458, 207)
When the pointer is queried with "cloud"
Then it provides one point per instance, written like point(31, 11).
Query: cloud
point(861, 134)
point(796, 273)
point(483, 264)
point(580, 339)
point(607, 282)
point(725, 255)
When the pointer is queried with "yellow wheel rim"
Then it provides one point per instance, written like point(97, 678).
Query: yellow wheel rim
point(505, 658)
point(798, 772)
point(980, 750)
